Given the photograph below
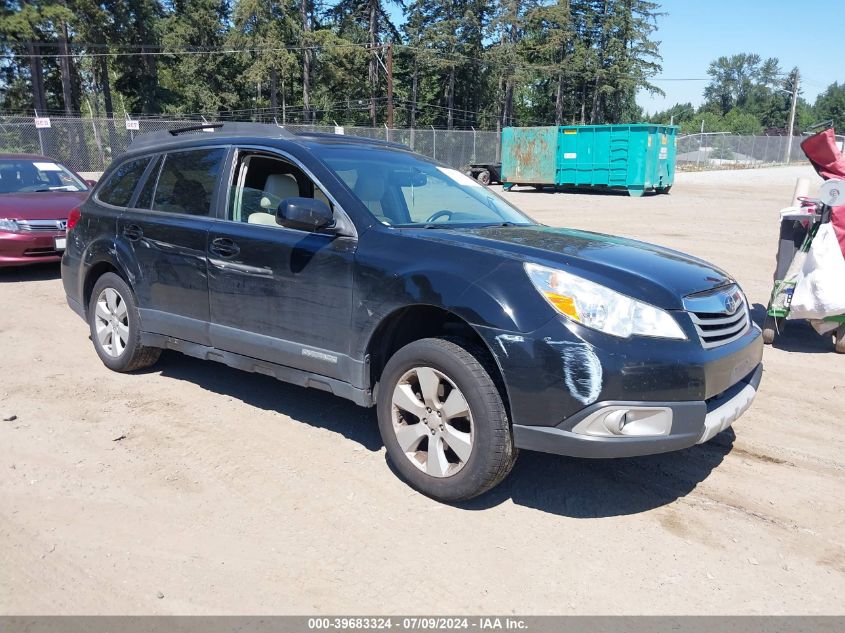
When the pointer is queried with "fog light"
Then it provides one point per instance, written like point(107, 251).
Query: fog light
point(615, 421)
point(619, 421)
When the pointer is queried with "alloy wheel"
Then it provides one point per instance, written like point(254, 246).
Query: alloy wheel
point(432, 421)
point(112, 322)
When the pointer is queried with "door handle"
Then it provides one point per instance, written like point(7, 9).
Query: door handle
point(224, 247)
point(132, 232)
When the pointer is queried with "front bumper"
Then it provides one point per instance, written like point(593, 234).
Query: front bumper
point(21, 249)
point(562, 373)
point(692, 423)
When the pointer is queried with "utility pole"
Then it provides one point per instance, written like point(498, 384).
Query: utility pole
point(390, 86)
point(795, 81)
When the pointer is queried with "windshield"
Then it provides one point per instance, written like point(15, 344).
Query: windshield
point(407, 190)
point(22, 175)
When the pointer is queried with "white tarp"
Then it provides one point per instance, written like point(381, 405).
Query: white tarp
point(820, 287)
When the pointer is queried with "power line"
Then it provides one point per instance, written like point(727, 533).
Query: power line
point(161, 51)
point(186, 52)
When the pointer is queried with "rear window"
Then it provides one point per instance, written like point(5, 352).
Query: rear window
point(118, 189)
point(187, 181)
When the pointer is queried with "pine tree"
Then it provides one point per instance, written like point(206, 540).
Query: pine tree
point(550, 44)
point(135, 26)
point(371, 18)
point(265, 28)
point(201, 82)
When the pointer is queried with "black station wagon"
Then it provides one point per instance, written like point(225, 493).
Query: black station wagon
point(366, 270)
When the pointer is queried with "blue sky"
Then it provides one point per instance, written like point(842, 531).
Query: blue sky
point(694, 33)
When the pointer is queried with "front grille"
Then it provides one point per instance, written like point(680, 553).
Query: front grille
point(35, 226)
point(719, 316)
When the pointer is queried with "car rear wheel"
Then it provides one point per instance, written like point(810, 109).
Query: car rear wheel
point(115, 326)
point(443, 421)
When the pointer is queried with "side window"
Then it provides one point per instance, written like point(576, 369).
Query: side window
point(186, 181)
point(261, 183)
point(145, 198)
point(118, 189)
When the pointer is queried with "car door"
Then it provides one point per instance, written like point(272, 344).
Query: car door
point(166, 230)
point(279, 294)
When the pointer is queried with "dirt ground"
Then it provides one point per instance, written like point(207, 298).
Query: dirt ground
point(233, 493)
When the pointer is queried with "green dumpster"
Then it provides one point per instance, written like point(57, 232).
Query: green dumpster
point(637, 157)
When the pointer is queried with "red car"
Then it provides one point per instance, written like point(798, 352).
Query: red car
point(36, 196)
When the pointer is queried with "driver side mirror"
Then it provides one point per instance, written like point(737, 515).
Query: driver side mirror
point(90, 183)
point(305, 214)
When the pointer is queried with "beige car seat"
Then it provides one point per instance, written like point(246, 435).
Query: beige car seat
point(277, 187)
point(319, 195)
point(370, 190)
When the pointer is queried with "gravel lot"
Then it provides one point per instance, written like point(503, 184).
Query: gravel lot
point(233, 493)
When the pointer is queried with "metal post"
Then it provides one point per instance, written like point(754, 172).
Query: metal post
point(434, 142)
point(390, 86)
point(97, 139)
point(473, 143)
point(40, 138)
point(498, 140)
point(796, 80)
point(386, 132)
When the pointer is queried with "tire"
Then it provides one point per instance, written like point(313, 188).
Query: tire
point(839, 339)
point(768, 336)
point(115, 326)
point(484, 177)
point(771, 326)
point(476, 450)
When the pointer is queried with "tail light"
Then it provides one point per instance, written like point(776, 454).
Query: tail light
point(73, 218)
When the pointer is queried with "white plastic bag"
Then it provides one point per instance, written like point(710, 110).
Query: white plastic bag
point(820, 287)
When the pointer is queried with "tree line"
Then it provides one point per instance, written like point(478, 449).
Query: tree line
point(748, 94)
point(453, 63)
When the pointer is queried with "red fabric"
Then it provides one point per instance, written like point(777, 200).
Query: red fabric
point(829, 162)
point(824, 153)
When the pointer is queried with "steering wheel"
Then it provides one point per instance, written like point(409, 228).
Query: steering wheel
point(440, 214)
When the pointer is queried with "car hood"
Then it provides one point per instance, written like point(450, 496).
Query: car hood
point(650, 273)
point(43, 205)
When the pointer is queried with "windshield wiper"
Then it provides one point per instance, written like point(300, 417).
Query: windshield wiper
point(436, 225)
point(506, 223)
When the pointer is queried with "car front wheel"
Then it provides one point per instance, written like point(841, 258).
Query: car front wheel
point(115, 326)
point(442, 419)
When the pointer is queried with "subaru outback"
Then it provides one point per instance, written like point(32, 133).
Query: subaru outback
point(363, 269)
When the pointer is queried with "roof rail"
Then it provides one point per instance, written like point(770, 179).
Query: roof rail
point(194, 128)
point(351, 138)
point(215, 130)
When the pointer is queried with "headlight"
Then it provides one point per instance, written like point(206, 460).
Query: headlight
point(9, 225)
point(601, 308)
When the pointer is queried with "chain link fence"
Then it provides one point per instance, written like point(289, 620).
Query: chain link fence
point(730, 151)
point(90, 144)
